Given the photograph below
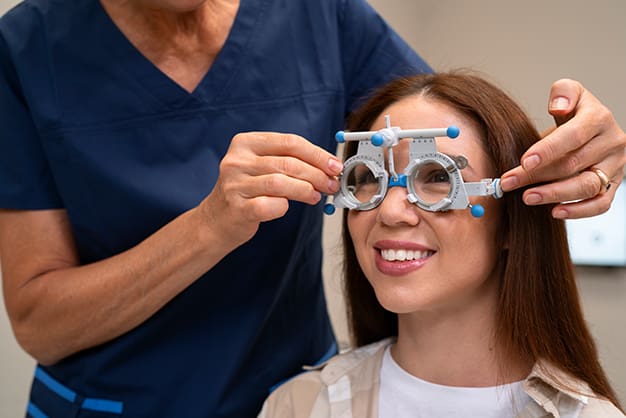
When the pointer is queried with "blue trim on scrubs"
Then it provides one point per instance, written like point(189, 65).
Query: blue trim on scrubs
point(93, 404)
point(35, 412)
point(54, 386)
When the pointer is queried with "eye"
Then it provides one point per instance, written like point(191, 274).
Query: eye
point(437, 176)
point(364, 177)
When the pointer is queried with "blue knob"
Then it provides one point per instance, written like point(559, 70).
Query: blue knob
point(452, 131)
point(329, 208)
point(339, 137)
point(477, 211)
point(377, 139)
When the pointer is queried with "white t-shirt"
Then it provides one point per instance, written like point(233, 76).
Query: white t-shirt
point(403, 395)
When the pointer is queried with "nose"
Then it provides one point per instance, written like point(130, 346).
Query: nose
point(395, 209)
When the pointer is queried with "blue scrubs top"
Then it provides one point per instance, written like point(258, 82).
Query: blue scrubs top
point(89, 125)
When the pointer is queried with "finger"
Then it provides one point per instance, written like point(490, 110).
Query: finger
point(590, 154)
point(298, 169)
point(585, 185)
point(585, 208)
point(279, 144)
point(564, 97)
point(267, 208)
point(279, 185)
point(587, 120)
point(562, 141)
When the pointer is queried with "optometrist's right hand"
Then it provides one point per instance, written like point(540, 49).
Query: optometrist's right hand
point(53, 300)
point(259, 174)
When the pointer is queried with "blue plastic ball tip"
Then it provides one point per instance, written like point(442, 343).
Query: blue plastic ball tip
point(377, 140)
point(339, 137)
point(453, 131)
point(329, 208)
point(477, 211)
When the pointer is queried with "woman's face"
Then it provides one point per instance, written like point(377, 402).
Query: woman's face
point(417, 260)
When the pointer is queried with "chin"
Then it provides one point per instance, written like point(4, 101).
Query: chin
point(397, 304)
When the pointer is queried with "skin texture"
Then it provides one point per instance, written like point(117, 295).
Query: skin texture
point(445, 302)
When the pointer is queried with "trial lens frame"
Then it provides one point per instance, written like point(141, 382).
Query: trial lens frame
point(422, 151)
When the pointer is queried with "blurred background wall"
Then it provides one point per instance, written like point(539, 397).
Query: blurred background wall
point(521, 46)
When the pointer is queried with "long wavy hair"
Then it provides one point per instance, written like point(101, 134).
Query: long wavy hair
point(539, 315)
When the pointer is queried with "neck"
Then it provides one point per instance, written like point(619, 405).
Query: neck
point(162, 23)
point(456, 348)
point(181, 40)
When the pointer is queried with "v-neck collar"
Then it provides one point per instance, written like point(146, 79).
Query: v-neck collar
point(161, 86)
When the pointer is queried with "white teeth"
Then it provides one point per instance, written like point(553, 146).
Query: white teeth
point(402, 255)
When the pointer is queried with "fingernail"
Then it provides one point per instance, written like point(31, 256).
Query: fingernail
point(532, 198)
point(509, 183)
point(559, 103)
point(333, 185)
point(560, 214)
point(335, 165)
point(317, 196)
point(531, 162)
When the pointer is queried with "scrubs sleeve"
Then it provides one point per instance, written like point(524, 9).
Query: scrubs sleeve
point(25, 178)
point(373, 53)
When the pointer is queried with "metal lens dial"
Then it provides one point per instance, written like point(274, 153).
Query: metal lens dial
point(431, 182)
point(364, 184)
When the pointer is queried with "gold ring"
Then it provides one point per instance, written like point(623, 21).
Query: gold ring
point(605, 183)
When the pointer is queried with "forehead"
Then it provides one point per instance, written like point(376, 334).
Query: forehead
point(416, 112)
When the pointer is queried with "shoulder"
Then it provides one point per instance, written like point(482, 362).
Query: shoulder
point(294, 398)
point(25, 14)
point(556, 389)
point(311, 391)
point(600, 408)
point(43, 17)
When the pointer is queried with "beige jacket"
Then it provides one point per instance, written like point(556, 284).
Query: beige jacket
point(347, 387)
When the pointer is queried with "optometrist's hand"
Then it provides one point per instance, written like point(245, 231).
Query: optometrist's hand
point(259, 174)
point(586, 137)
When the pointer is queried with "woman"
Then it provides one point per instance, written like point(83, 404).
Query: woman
point(456, 315)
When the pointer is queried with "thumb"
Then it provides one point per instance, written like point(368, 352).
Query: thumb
point(565, 95)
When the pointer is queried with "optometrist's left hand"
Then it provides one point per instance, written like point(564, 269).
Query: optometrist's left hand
point(587, 136)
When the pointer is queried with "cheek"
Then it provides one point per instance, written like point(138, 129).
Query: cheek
point(359, 225)
point(481, 244)
point(473, 239)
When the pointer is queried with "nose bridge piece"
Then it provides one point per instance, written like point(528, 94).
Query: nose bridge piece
point(396, 209)
point(399, 181)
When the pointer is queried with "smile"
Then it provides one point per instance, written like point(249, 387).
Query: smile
point(404, 254)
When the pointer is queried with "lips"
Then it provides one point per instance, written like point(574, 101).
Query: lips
point(395, 258)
